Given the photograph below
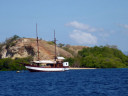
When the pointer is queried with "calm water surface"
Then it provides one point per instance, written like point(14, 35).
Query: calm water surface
point(97, 82)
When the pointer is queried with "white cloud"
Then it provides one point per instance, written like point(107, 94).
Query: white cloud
point(81, 26)
point(78, 25)
point(124, 25)
point(83, 37)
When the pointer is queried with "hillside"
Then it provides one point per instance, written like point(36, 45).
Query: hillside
point(25, 47)
point(15, 50)
point(16, 47)
point(74, 49)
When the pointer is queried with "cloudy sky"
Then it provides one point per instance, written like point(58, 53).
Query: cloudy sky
point(77, 22)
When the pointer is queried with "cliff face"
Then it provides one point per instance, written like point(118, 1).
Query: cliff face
point(27, 47)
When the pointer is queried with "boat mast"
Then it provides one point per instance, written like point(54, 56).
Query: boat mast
point(55, 45)
point(37, 44)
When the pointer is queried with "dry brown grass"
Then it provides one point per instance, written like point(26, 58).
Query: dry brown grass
point(46, 50)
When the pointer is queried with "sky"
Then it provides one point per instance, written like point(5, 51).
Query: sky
point(76, 22)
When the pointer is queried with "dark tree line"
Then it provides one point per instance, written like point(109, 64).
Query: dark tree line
point(8, 64)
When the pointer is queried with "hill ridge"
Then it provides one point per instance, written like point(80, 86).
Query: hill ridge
point(24, 47)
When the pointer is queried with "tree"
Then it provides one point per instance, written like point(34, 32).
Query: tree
point(102, 57)
point(60, 45)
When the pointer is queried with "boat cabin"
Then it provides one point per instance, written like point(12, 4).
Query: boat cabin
point(59, 63)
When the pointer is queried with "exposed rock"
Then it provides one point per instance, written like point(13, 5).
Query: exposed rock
point(25, 47)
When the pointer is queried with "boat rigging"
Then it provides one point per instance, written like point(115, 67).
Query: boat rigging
point(57, 64)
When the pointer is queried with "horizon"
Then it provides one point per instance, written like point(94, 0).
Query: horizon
point(84, 22)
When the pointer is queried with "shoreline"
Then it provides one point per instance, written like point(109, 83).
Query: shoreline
point(74, 68)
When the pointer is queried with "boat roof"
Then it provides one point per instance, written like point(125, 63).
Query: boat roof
point(45, 61)
point(60, 58)
point(49, 61)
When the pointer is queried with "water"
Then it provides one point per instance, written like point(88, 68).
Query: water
point(97, 82)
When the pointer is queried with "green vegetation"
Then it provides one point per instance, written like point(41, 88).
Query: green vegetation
point(8, 64)
point(60, 45)
point(100, 57)
point(51, 42)
point(9, 42)
point(67, 48)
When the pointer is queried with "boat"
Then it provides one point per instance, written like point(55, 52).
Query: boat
point(47, 66)
point(55, 65)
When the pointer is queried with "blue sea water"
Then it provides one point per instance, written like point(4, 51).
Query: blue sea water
point(96, 82)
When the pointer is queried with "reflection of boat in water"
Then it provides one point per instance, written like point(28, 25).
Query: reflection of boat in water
point(57, 64)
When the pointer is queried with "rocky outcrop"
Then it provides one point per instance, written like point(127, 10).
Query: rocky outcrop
point(25, 47)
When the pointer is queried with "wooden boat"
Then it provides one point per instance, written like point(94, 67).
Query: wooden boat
point(57, 64)
point(47, 66)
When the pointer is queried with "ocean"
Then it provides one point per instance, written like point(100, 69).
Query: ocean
point(94, 82)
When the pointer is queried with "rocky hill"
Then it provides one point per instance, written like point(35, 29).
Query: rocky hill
point(24, 47)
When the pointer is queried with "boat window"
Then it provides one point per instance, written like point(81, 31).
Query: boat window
point(43, 64)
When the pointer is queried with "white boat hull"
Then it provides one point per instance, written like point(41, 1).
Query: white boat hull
point(41, 69)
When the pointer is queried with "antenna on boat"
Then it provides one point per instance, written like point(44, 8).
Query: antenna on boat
point(55, 45)
point(37, 43)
